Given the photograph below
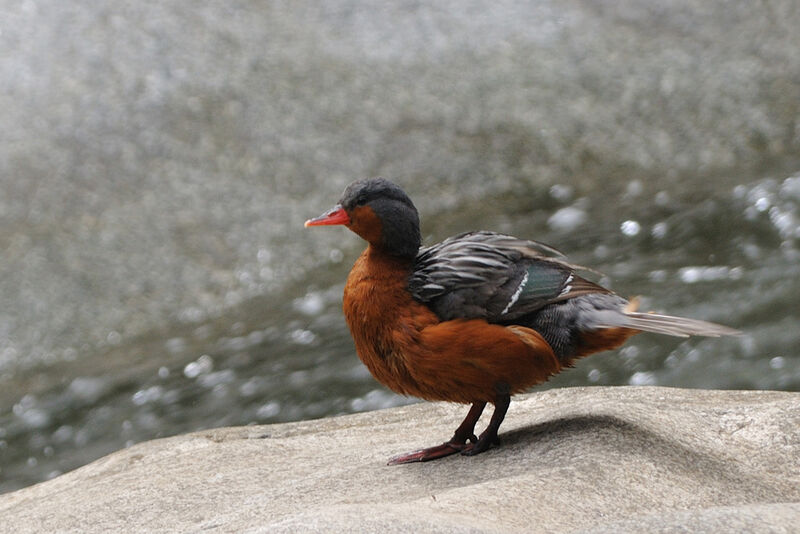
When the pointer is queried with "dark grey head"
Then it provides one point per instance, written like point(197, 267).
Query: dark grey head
point(396, 215)
point(381, 213)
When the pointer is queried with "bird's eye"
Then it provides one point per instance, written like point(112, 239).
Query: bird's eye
point(360, 201)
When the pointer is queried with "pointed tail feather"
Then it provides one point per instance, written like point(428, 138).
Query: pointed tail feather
point(669, 325)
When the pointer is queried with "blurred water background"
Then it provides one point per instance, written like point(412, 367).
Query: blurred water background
point(158, 159)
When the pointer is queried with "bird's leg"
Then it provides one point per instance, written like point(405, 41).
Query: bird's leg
point(489, 436)
point(464, 432)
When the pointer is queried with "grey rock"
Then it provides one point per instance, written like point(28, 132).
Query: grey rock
point(633, 459)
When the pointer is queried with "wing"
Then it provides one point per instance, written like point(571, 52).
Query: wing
point(493, 276)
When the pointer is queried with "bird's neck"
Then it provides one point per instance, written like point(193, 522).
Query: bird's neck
point(379, 262)
point(377, 286)
point(399, 237)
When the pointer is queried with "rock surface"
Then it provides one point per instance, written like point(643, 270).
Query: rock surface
point(641, 459)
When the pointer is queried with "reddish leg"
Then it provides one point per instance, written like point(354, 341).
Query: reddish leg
point(489, 436)
point(465, 431)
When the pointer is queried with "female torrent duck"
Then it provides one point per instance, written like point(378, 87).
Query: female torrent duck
point(476, 318)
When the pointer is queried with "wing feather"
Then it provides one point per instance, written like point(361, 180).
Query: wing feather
point(493, 276)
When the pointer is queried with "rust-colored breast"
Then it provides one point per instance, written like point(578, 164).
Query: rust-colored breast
point(383, 317)
point(407, 349)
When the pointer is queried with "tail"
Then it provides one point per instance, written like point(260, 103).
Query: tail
point(662, 324)
point(602, 321)
point(669, 325)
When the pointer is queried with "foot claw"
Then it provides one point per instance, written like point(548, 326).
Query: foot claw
point(480, 445)
point(472, 450)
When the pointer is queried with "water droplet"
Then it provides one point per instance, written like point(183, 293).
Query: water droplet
point(634, 188)
point(191, 314)
point(35, 418)
point(203, 364)
point(88, 388)
point(144, 396)
point(630, 228)
point(602, 251)
point(114, 338)
point(303, 337)
point(310, 304)
point(629, 352)
point(256, 337)
point(244, 277)
point(299, 378)
point(25, 403)
point(692, 275)
point(693, 355)
point(336, 255)
point(659, 230)
point(777, 362)
point(561, 192)
point(791, 187)
point(672, 361)
point(785, 222)
point(376, 399)
point(82, 437)
point(63, 434)
point(642, 378)
point(749, 345)
point(212, 380)
point(251, 387)
point(567, 219)
point(270, 409)
point(662, 198)
point(689, 275)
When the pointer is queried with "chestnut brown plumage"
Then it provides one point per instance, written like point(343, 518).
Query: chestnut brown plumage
point(476, 318)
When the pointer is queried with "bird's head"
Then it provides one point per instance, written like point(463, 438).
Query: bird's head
point(380, 212)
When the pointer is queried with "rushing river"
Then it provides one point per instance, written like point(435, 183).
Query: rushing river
point(158, 162)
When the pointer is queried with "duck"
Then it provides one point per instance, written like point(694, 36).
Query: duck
point(476, 318)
